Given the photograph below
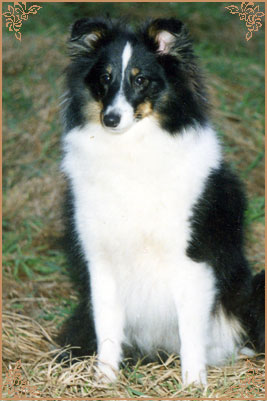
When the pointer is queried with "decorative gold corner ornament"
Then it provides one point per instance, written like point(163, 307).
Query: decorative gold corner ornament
point(17, 386)
point(17, 14)
point(252, 385)
point(251, 14)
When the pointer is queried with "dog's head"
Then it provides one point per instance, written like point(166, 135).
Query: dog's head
point(118, 77)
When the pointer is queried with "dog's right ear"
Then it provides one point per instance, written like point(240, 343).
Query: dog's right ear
point(86, 35)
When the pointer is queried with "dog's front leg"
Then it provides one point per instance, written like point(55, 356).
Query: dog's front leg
point(109, 320)
point(194, 297)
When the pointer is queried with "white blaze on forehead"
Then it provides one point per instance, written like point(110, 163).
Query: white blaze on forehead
point(126, 55)
point(120, 105)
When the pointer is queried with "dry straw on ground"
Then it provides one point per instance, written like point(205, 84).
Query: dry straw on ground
point(23, 336)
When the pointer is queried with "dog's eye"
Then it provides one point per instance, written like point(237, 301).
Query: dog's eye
point(105, 79)
point(140, 81)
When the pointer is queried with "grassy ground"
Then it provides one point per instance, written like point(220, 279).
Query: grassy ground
point(36, 291)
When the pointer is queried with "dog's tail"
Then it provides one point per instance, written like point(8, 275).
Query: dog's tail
point(255, 314)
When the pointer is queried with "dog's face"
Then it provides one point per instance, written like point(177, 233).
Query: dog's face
point(119, 77)
point(125, 82)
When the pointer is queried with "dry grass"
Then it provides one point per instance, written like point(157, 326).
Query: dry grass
point(33, 187)
point(33, 343)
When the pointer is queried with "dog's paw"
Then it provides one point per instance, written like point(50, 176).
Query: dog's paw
point(105, 373)
point(197, 377)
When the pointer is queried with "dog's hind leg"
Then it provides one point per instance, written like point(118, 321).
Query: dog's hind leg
point(78, 332)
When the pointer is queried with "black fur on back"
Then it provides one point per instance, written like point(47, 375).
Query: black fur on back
point(254, 316)
point(218, 239)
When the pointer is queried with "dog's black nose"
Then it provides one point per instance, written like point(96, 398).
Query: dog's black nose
point(111, 120)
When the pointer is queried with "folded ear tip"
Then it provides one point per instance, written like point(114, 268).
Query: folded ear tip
point(76, 28)
point(171, 24)
point(85, 35)
point(165, 35)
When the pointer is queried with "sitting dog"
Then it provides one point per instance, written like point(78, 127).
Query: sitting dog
point(154, 215)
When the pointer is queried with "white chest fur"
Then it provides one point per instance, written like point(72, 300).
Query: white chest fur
point(138, 187)
point(134, 194)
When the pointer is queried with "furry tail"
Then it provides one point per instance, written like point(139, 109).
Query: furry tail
point(78, 331)
point(255, 315)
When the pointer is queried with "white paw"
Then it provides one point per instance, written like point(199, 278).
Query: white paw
point(248, 352)
point(195, 376)
point(105, 373)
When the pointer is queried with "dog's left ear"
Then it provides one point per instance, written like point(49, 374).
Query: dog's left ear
point(167, 36)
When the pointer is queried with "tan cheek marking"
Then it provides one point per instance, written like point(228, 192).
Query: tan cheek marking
point(158, 116)
point(143, 110)
point(135, 71)
point(93, 111)
point(109, 69)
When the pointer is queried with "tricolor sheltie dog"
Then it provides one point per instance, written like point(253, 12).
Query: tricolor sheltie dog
point(154, 215)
